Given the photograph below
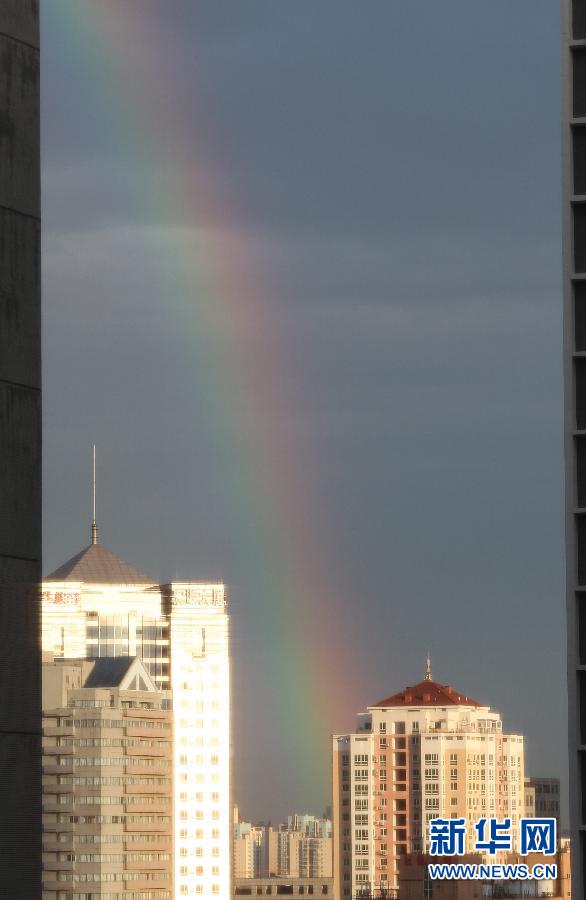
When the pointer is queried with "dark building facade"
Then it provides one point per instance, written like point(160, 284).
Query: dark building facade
point(574, 275)
point(20, 452)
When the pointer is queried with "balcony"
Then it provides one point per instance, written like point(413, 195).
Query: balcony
point(52, 828)
point(52, 806)
point(58, 731)
point(149, 752)
point(50, 885)
point(149, 827)
point(52, 846)
point(56, 769)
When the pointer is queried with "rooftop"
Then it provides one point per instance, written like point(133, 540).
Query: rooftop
point(126, 672)
point(427, 693)
point(97, 565)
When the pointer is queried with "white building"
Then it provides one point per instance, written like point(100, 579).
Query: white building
point(426, 752)
point(97, 605)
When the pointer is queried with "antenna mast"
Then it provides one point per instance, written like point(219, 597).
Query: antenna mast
point(94, 524)
point(428, 675)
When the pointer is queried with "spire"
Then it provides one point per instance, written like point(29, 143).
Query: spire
point(428, 675)
point(94, 523)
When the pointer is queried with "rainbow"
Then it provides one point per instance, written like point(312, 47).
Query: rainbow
point(239, 369)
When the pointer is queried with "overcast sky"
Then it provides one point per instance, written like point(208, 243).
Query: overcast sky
point(389, 174)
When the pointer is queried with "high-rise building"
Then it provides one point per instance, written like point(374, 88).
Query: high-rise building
point(425, 752)
point(301, 848)
point(107, 781)
point(20, 451)
point(97, 605)
point(243, 847)
point(250, 848)
point(574, 290)
point(542, 797)
point(312, 826)
point(297, 854)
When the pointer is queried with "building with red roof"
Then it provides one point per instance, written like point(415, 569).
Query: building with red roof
point(427, 751)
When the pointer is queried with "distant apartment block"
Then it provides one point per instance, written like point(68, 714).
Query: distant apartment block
point(107, 782)
point(312, 826)
point(542, 797)
point(425, 752)
point(250, 849)
point(299, 855)
point(302, 848)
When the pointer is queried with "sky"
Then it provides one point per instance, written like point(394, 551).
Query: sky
point(301, 286)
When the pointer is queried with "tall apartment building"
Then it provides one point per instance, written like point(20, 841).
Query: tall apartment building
point(243, 852)
point(545, 799)
point(97, 605)
point(302, 848)
point(251, 850)
point(574, 291)
point(107, 782)
point(296, 854)
point(20, 451)
point(312, 826)
point(425, 752)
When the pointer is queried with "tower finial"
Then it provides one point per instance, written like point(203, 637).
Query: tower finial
point(428, 675)
point(94, 523)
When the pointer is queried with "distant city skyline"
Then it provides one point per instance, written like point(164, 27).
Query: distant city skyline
point(301, 283)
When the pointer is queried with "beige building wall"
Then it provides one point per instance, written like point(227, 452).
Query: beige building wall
point(243, 851)
point(107, 787)
point(273, 852)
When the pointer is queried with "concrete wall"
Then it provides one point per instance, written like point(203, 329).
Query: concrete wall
point(20, 451)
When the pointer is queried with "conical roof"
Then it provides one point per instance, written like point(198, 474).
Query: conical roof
point(97, 565)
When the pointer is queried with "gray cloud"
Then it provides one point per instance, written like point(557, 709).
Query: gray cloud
point(394, 175)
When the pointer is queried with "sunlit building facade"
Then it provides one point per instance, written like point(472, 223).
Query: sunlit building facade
point(250, 850)
point(97, 605)
point(107, 782)
point(424, 753)
point(296, 854)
